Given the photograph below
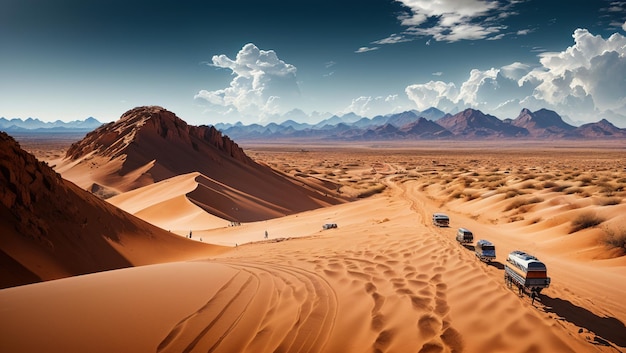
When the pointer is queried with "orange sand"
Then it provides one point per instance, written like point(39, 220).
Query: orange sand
point(385, 280)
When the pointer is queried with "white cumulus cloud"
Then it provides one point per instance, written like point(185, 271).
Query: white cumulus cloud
point(585, 82)
point(454, 20)
point(586, 78)
point(380, 105)
point(262, 84)
point(442, 95)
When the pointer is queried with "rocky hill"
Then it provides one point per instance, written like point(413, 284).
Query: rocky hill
point(50, 228)
point(542, 123)
point(472, 123)
point(150, 144)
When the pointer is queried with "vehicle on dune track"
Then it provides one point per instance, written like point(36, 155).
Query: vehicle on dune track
point(441, 220)
point(526, 272)
point(464, 236)
point(485, 250)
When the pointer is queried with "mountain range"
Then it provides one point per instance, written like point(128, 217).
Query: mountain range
point(18, 125)
point(431, 124)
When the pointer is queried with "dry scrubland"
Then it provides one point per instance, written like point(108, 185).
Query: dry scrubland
point(385, 280)
point(523, 179)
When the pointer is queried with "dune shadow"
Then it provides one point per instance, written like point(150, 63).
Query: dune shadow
point(469, 247)
point(606, 328)
point(496, 264)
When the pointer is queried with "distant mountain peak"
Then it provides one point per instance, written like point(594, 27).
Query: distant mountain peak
point(542, 123)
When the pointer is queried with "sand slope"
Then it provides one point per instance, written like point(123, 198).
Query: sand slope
point(385, 280)
point(50, 228)
point(148, 145)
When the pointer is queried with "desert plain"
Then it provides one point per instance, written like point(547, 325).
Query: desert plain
point(384, 280)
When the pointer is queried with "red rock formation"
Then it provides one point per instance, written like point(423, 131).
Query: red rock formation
point(50, 228)
point(150, 144)
point(113, 139)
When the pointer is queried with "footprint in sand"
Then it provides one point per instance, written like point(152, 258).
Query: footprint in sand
point(335, 266)
point(331, 273)
point(360, 275)
point(431, 347)
point(429, 326)
point(383, 340)
point(453, 339)
point(421, 303)
point(439, 269)
point(398, 282)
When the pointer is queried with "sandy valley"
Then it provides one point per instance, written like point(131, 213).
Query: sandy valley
point(385, 280)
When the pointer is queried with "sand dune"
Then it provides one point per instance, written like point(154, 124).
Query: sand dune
point(50, 228)
point(385, 280)
point(149, 145)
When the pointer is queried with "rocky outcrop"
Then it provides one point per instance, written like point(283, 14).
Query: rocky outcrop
point(472, 123)
point(52, 229)
point(151, 144)
point(543, 123)
point(141, 123)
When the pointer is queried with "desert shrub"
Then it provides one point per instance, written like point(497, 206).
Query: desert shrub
point(610, 201)
point(467, 182)
point(517, 203)
point(371, 191)
point(471, 196)
point(585, 180)
point(559, 188)
point(510, 193)
point(608, 189)
point(545, 177)
point(584, 221)
point(528, 185)
point(616, 238)
point(549, 184)
point(574, 190)
point(456, 195)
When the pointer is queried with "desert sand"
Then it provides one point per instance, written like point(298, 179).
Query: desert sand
point(385, 280)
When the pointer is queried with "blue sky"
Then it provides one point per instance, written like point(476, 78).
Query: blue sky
point(253, 61)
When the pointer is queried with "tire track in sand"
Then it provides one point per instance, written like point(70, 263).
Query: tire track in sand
point(242, 314)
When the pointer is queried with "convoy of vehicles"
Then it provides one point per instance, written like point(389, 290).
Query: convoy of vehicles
point(522, 270)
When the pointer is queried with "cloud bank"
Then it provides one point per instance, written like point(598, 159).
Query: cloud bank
point(262, 85)
point(452, 20)
point(585, 82)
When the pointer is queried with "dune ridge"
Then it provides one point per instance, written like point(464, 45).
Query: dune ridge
point(148, 145)
point(384, 280)
point(52, 229)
